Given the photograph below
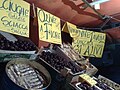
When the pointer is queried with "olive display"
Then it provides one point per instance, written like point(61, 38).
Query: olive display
point(103, 86)
point(59, 63)
point(98, 86)
point(85, 86)
point(19, 45)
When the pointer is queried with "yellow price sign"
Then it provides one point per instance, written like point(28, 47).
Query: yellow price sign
point(88, 79)
point(89, 43)
point(49, 27)
point(14, 17)
point(86, 43)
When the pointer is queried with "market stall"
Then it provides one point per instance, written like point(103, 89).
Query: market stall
point(62, 62)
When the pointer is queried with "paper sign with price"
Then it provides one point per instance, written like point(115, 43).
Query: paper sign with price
point(86, 43)
point(14, 17)
point(49, 27)
point(88, 79)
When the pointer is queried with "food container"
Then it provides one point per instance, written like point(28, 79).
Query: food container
point(63, 66)
point(12, 46)
point(68, 53)
point(85, 86)
point(80, 84)
point(22, 74)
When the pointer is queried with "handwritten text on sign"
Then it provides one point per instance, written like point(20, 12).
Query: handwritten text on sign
point(14, 17)
point(87, 43)
point(49, 27)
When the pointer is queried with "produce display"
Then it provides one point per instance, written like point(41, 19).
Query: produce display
point(19, 45)
point(85, 86)
point(58, 57)
point(26, 76)
point(98, 86)
point(59, 62)
point(102, 85)
point(70, 52)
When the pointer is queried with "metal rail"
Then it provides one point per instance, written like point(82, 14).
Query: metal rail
point(99, 14)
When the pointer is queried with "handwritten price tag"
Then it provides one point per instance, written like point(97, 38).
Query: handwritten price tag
point(88, 79)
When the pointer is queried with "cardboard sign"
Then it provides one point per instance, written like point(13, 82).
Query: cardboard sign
point(88, 79)
point(49, 27)
point(14, 17)
point(109, 82)
point(87, 43)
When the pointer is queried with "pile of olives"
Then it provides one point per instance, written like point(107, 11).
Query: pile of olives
point(103, 86)
point(19, 45)
point(85, 86)
point(98, 86)
point(59, 62)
